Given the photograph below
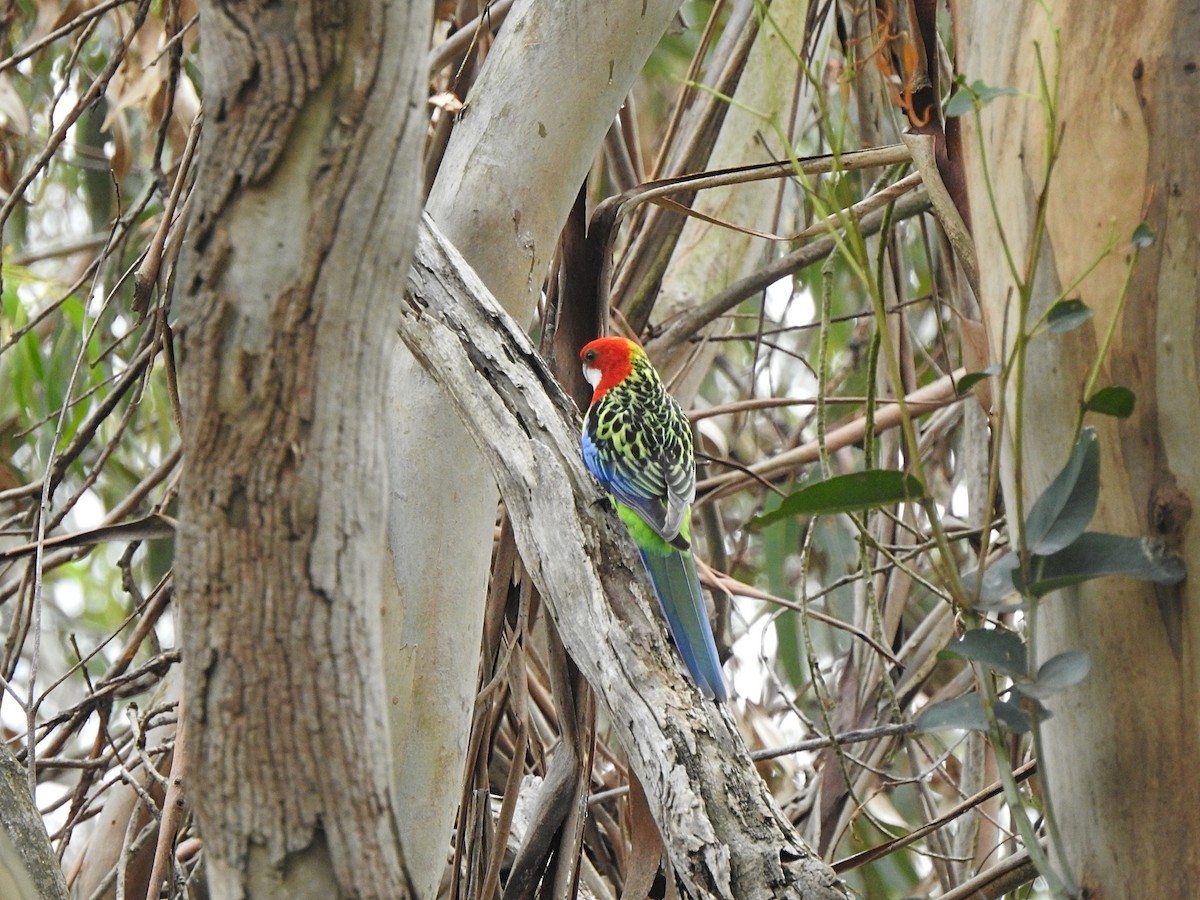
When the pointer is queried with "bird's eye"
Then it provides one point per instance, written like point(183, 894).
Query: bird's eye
point(590, 356)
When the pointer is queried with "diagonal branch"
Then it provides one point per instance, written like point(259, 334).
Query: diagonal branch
point(870, 214)
point(725, 836)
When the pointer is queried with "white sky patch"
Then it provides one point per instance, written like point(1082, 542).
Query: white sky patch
point(165, 629)
point(30, 293)
point(48, 793)
point(68, 597)
point(11, 715)
point(66, 103)
point(88, 511)
point(784, 308)
point(749, 649)
point(785, 375)
point(959, 506)
point(793, 377)
point(96, 305)
point(783, 304)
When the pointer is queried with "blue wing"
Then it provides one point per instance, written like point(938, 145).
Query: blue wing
point(650, 487)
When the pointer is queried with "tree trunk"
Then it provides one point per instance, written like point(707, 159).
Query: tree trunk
point(531, 128)
point(306, 211)
point(1121, 750)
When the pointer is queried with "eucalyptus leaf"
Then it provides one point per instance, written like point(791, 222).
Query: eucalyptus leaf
point(1067, 315)
point(847, 493)
point(1112, 401)
point(1058, 673)
point(1096, 554)
point(966, 713)
point(995, 648)
point(1012, 717)
point(987, 93)
point(1064, 509)
point(971, 379)
point(961, 103)
point(977, 93)
point(998, 583)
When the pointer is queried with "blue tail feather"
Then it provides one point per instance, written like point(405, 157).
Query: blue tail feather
point(677, 587)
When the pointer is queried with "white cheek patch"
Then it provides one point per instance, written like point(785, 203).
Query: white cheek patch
point(592, 375)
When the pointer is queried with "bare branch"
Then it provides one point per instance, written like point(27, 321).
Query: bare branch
point(684, 327)
point(725, 836)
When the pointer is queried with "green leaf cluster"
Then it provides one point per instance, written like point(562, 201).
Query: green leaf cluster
point(1059, 552)
point(1003, 652)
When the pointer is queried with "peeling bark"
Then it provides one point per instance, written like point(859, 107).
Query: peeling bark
point(724, 834)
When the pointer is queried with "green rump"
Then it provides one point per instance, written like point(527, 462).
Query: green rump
point(646, 538)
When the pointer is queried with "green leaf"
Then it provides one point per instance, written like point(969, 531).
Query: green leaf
point(998, 582)
point(967, 97)
point(847, 493)
point(1067, 315)
point(1064, 509)
point(966, 713)
point(971, 379)
point(1112, 401)
point(1095, 554)
point(987, 93)
point(778, 542)
point(1058, 673)
point(1011, 717)
point(959, 104)
point(1143, 236)
point(997, 649)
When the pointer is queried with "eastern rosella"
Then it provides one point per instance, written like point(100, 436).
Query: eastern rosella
point(638, 443)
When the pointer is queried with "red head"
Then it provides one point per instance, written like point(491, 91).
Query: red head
point(608, 361)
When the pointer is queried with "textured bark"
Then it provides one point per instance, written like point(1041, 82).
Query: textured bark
point(531, 127)
point(1122, 749)
point(306, 206)
point(724, 834)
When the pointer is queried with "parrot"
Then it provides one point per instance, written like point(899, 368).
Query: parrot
point(637, 442)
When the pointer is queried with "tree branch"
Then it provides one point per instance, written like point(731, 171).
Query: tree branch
point(686, 325)
point(28, 866)
point(725, 836)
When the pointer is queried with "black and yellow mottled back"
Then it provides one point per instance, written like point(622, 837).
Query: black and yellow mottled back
point(638, 443)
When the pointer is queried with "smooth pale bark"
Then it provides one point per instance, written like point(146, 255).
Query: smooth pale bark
point(531, 127)
point(1122, 752)
point(305, 215)
point(723, 833)
point(710, 257)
